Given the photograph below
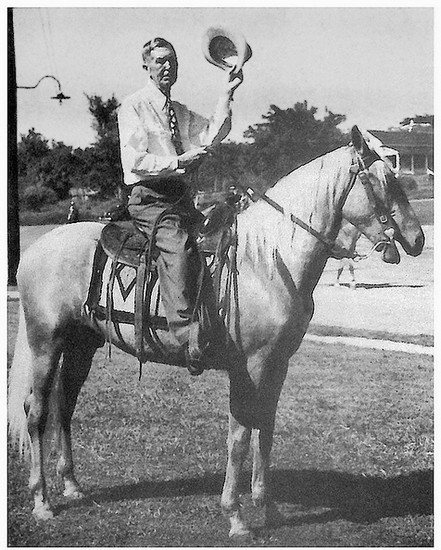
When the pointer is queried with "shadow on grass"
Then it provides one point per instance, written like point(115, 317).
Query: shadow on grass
point(371, 286)
point(354, 498)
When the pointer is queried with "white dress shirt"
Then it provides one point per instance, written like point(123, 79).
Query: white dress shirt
point(147, 151)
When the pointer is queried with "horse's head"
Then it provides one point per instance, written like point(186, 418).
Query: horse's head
point(378, 206)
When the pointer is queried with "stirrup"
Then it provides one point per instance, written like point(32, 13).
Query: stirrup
point(195, 365)
point(194, 351)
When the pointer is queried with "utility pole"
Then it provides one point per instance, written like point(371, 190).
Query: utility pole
point(13, 201)
point(13, 211)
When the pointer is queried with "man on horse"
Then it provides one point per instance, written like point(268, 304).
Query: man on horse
point(160, 140)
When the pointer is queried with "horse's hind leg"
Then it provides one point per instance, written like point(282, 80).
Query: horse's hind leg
point(36, 407)
point(79, 347)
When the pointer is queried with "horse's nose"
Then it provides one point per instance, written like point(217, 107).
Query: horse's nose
point(419, 243)
point(417, 247)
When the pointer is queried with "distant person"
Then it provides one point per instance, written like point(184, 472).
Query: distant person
point(73, 215)
point(347, 237)
point(350, 265)
point(160, 141)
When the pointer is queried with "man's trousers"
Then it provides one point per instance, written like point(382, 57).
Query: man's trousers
point(173, 225)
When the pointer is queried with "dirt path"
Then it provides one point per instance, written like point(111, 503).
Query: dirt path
point(388, 298)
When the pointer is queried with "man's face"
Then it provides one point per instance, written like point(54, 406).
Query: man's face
point(162, 67)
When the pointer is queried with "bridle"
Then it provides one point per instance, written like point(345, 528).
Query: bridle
point(359, 168)
point(382, 212)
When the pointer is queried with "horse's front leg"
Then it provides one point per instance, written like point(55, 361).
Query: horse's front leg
point(262, 445)
point(238, 446)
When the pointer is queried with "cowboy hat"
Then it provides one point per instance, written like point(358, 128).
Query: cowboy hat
point(225, 49)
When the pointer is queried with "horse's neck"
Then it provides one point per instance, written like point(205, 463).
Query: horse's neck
point(311, 193)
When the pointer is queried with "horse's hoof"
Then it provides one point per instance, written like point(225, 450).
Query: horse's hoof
point(72, 489)
point(73, 494)
point(238, 526)
point(239, 532)
point(43, 513)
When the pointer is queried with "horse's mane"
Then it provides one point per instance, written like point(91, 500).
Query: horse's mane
point(263, 231)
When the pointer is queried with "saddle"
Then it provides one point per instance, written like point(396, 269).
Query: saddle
point(122, 244)
point(125, 243)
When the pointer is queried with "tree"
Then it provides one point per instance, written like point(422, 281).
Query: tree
point(31, 150)
point(105, 172)
point(285, 140)
point(221, 168)
point(40, 165)
point(289, 138)
point(59, 169)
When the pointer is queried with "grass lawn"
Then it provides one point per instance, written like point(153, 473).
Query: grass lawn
point(424, 210)
point(352, 457)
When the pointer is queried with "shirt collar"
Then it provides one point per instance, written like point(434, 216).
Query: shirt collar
point(155, 95)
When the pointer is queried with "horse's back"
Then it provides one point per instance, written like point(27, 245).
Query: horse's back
point(55, 270)
point(54, 244)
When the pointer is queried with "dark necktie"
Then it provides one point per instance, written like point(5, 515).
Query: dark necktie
point(174, 128)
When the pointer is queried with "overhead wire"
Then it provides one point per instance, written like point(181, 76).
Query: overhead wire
point(48, 40)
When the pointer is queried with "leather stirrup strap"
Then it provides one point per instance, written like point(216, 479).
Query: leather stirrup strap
point(109, 296)
point(142, 309)
point(200, 285)
point(141, 274)
point(235, 273)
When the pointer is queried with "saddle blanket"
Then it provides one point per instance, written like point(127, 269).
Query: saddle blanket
point(124, 299)
point(115, 308)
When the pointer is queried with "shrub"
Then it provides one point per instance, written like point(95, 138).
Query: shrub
point(35, 197)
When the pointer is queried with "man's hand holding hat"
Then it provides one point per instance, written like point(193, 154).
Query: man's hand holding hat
point(234, 81)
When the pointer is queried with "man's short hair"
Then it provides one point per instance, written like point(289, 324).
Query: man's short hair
point(157, 42)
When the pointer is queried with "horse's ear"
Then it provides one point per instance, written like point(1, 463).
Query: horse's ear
point(358, 141)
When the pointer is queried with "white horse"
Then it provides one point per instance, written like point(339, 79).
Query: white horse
point(279, 264)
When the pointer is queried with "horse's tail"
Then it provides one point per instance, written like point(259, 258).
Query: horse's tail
point(19, 387)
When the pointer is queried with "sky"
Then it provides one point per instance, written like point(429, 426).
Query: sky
point(374, 65)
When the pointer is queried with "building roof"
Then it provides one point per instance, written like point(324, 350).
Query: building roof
point(403, 141)
point(418, 119)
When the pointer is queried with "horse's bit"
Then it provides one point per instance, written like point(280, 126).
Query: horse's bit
point(358, 169)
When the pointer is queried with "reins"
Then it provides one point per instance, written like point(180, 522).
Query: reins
point(357, 169)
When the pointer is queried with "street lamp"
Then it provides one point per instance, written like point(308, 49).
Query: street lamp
point(13, 207)
point(60, 96)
